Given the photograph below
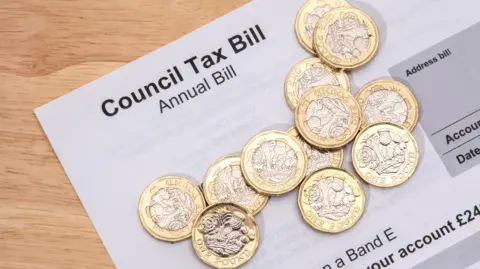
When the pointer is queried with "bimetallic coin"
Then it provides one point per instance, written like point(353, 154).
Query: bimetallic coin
point(388, 101)
point(310, 73)
point(385, 154)
point(346, 38)
point(224, 182)
point(273, 162)
point(317, 158)
point(328, 117)
point(169, 206)
point(331, 200)
point(225, 235)
point(308, 16)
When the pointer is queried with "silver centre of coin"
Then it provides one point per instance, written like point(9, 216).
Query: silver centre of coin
point(274, 161)
point(327, 117)
point(311, 19)
point(383, 152)
point(385, 106)
point(230, 187)
point(224, 233)
point(347, 37)
point(171, 208)
point(314, 75)
point(331, 198)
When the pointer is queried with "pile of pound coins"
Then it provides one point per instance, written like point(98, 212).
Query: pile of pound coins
point(378, 120)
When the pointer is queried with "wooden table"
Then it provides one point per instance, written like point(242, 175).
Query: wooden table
point(48, 48)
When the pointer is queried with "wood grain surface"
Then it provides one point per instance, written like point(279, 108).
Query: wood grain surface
point(48, 48)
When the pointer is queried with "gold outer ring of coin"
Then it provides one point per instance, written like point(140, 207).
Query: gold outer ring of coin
point(247, 252)
point(309, 7)
point(170, 181)
point(312, 217)
point(337, 154)
point(324, 51)
point(354, 120)
point(299, 69)
point(263, 186)
point(255, 207)
point(395, 86)
point(411, 159)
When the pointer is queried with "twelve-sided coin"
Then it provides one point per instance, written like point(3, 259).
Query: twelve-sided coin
point(168, 207)
point(331, 200)
point(273, 162)
point(328, 117)
point(346, 38)
point(225, 236)
point(387, 100)
point(385, 154)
